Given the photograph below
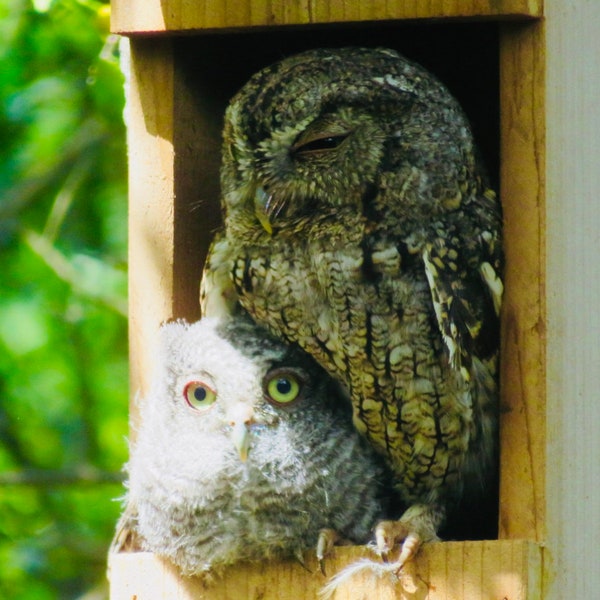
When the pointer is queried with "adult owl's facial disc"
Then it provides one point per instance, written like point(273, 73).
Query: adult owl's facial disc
point(297, 168)
point(309, 155)
point(329, 131)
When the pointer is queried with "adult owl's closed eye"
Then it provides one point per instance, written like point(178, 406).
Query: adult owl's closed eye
point(245, 451)
point(359, 224)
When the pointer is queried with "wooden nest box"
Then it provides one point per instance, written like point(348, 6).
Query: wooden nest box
point(520, 70)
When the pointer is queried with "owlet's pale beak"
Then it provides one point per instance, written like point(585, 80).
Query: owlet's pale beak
point(241, 418)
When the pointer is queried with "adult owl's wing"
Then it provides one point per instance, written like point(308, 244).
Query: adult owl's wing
point(218, 297)
point(466, 291)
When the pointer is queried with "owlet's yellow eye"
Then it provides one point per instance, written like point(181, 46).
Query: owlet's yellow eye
point(198, 395)
point(282, 386)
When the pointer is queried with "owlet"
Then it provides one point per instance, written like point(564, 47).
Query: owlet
point(245, 451)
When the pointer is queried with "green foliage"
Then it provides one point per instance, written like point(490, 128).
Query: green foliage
point(63, 329)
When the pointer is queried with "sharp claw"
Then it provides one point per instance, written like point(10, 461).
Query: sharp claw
point(322, 566)
point(383, 532)
point(300, 559)
point(321, 547)
point(327, 540)
point(408, 550)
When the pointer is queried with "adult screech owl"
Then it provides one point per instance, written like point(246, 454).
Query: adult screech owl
point(359, 224)
point(245, 451)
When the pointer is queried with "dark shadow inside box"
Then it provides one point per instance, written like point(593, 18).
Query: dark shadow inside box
point(465, 56)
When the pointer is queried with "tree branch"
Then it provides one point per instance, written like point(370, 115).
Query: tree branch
point(65, 270)
point(82, 475)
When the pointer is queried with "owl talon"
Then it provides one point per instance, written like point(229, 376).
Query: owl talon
point(300, 559)
point(328, 538)
point(387, 534)
point(419, 524)
point(322, 567)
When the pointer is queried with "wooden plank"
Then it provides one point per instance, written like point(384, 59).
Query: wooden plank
point(149, 116)
point(442, 571)
point(151, 16)
point(522, 440)
point(573, 265)
point(173, 165)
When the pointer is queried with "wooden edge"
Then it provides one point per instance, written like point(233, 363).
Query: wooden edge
point(165, 246)
point(508, 569)
point(150, 124)
point(155, 16)
point(523, 360)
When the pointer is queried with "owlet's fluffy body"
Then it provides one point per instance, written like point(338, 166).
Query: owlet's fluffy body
point(245, 451)
point(358, 223)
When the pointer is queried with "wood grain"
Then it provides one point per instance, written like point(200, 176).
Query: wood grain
point(504, 569)
point(152, 16)
point(150, 127)
point(523, 361)
point(173, 144)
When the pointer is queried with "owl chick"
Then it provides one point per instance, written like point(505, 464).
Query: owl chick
point(245, 451)
point(358, 223)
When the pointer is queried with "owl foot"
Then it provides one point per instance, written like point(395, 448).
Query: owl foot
point(328, 538)
point(418, 524)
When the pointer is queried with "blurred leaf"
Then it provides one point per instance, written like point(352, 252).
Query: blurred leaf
point(63, 328)
point(22, 328)
point(84, 274)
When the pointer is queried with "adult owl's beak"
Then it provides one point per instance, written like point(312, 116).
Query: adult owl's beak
point(241, 418)
point(263, 209)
